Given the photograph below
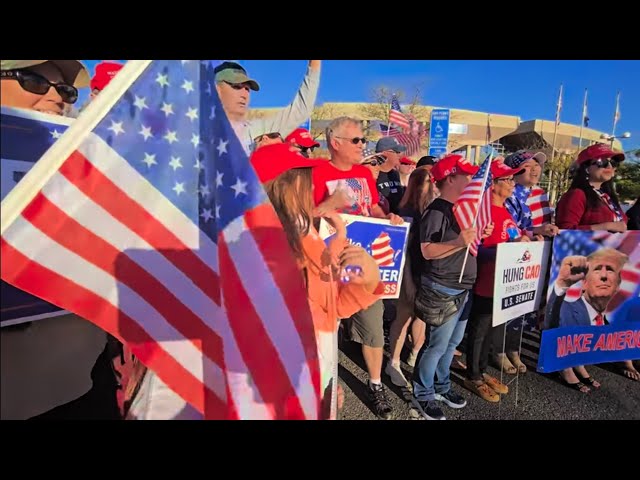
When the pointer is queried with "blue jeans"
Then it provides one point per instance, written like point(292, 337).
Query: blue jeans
point(431, 374)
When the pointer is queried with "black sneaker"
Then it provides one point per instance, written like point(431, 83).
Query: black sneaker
point(452, 399)
point(378, 397)
point(428, 409)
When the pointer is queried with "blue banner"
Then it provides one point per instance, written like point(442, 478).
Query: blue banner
point(572, 346)
point(593, 301)
point(24, 137)
point(384, 242)
point(439, 131)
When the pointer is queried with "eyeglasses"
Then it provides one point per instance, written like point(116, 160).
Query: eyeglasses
point(605, 163)
point(238, 86)
point(354, 140)
point(34, 83)
point(506, 180)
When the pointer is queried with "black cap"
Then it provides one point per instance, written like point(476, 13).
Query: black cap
point(426, 160)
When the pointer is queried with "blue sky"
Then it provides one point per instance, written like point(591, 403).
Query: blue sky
point(527, 88)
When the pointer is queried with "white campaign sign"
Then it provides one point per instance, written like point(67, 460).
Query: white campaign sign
point(521, 270)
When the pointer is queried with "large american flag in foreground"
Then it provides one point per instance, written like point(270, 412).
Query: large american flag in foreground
point(580, 242)
point(147, 219)
point(476, 195)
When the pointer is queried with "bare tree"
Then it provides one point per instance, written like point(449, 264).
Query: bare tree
point(381, 102)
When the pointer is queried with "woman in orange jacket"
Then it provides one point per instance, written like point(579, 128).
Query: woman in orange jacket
point(333, 291)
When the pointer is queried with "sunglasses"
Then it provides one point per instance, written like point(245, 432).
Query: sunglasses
point(605, 163)
point(272, 136)
point(305, 149)
point(238, 86)
point(355, 140)
point(34, 83)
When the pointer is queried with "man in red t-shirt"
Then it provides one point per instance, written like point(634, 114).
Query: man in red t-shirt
point(345, 185)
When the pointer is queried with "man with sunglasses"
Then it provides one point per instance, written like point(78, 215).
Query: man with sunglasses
point(271, 138)
point(301, 139)
point(234, 88)
point(58, 367)
point(47, 86)
point(343, 184)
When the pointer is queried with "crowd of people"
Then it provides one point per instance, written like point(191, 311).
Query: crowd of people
point(65, 367)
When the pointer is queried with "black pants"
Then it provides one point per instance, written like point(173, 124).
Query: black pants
point(99, 403)
point(479, 337)
point(512, 342)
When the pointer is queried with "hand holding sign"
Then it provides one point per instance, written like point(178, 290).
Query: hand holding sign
point(369, 274)
point(572, 270)
point(395, 219)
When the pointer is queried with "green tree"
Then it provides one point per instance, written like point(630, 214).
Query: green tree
point(628, 179)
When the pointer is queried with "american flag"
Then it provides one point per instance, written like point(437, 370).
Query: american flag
point(381, 250)
point(475, 196)
point(147, 219)
point(396, 116)
point(578, 242)
point(411, 141)
point(541, 211)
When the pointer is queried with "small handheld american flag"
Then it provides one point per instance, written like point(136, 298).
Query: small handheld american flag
point(473, 207)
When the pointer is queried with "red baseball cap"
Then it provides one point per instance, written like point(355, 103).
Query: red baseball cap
point(407, 161)
point(599, 150)
point(500, 170)
point(302, 137)
point(105, 71)
point(452, 165)
point(273, 160)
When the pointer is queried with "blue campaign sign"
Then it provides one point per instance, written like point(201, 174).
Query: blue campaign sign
point(439, 131)
point(593, 300)
point(24, 137)
point(386, 243)
point(566, 347)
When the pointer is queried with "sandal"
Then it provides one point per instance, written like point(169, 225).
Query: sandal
point(631, 374)
point(502, 362)
point(579, 386)
point(514, 357)
point(590, 381)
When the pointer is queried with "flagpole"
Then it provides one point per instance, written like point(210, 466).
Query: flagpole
point(389, 116)
point(616, 117)
point(584, 115)
point(553, 146)
point(483, 191)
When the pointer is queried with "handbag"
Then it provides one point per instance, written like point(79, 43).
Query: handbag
point(435, 308)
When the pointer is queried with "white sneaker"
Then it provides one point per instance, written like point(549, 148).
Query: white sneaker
point(411, 360)
point(397, 378)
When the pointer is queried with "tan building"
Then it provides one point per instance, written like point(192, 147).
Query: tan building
point(468, 129)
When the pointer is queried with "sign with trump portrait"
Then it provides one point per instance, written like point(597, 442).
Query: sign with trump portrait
point(593, 301)
point(386, 243)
